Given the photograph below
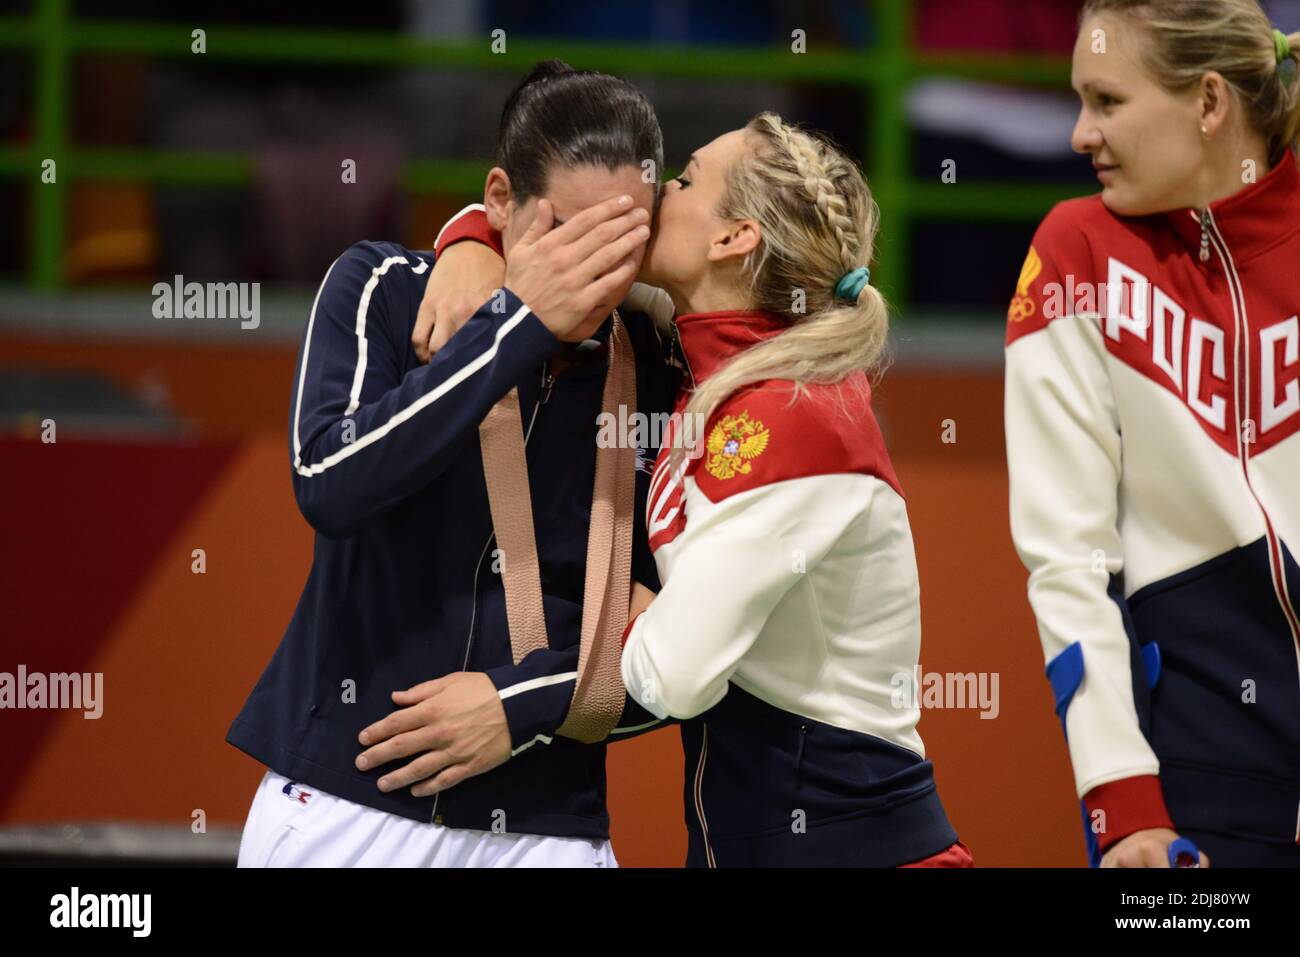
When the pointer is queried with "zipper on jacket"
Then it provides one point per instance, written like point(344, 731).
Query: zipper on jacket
point(473, 614)
point(548, 383)
point(699, 795)
point(1241, 390)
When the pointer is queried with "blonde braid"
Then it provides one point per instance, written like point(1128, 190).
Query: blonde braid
point(816, 180)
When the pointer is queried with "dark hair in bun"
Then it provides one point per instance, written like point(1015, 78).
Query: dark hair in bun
point(561, 116)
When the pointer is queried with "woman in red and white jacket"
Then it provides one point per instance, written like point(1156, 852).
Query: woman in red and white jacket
point(1152, 411)
point(788, 626)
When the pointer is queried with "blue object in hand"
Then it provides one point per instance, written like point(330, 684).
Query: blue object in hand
point(1183, 853)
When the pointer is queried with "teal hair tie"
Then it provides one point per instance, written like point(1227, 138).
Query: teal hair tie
point(851, 283)
point(1281, 45)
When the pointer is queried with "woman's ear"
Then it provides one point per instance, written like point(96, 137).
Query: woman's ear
point(1214, 96)
point(498, 198)
point(739, 240)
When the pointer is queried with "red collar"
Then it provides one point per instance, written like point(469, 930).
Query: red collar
point(1253, 219)
point(709, 339)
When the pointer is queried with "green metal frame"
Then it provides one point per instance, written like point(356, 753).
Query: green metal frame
point(884, 74)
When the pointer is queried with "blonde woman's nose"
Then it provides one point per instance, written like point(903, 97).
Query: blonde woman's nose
point(1085, 138)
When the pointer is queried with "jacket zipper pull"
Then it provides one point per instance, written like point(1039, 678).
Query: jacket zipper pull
point(1205, 235)
point(548, 382)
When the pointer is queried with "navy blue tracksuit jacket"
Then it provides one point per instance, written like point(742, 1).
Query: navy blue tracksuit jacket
point(387, 469)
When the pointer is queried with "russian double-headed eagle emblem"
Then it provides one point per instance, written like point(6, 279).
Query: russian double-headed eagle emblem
point(733, 443)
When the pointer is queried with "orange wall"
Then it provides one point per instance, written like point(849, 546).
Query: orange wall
point(185, 649)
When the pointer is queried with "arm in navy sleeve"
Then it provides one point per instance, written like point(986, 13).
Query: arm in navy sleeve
point(537, 692)
point(363, 435)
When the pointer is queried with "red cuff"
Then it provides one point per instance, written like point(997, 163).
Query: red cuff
point(470, 224)
point(1128, 805)
point(632, 621)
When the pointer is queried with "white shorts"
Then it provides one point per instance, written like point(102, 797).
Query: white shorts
point(305, 827)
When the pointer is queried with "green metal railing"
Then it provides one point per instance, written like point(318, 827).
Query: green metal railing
point(883, 74)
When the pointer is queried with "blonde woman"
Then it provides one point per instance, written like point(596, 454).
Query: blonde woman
point(788, 624)
point(1152, 411)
